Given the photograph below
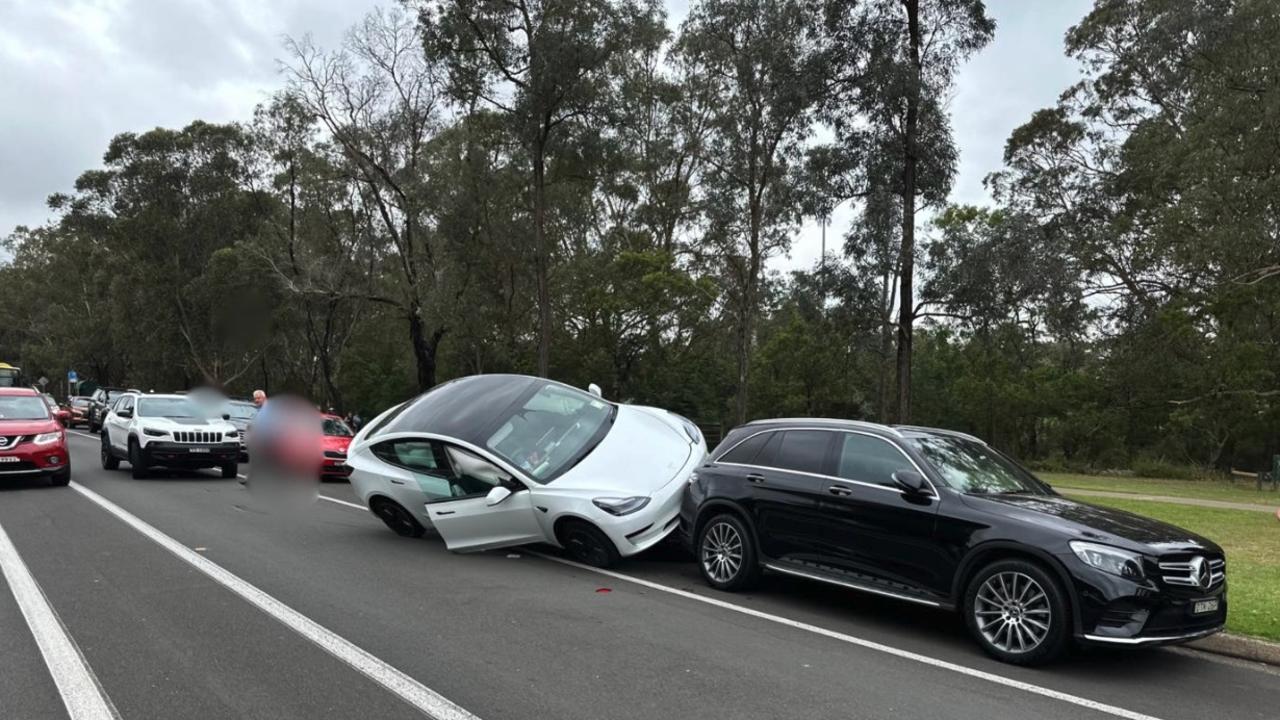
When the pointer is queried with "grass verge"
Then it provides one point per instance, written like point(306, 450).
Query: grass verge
point(1242, 492)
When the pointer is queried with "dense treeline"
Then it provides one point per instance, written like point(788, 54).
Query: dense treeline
point(574, 189)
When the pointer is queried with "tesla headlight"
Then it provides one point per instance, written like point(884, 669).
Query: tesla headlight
point(621, 506)
point(154, 432)
point(1109, 559)
point(47, 438)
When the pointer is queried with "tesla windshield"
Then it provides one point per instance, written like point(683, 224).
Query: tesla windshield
point(553, 429)
point(23, 407)
point(973, 467)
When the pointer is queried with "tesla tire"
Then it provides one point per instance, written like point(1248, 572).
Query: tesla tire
point(1018, 612)
point(727, 556)
point(587, 544)
point(401, 521)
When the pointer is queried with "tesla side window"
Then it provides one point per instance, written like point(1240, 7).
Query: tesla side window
point(411, 454)
point(870, 460)
point(803, 451)
point(745, 452)
point(551, 431)
point(472, 475)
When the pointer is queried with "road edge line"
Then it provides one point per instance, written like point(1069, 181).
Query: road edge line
point(396, 681)
point(81, 693)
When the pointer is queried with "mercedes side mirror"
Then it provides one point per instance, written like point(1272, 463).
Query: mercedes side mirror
point(911, 481)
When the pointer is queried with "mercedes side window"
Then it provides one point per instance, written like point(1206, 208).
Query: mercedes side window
point(870, 460)
point(745, 452)
point(803, 451)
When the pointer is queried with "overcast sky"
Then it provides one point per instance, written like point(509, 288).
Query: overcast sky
point(73, 73)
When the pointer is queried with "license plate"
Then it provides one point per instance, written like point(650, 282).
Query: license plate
point(8, 458)
point(200, 450)
point(1204, 606)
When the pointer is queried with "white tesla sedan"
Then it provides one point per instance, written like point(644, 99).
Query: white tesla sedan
point(493, 461)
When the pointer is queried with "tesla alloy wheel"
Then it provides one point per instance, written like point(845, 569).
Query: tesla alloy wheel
point(588, 545)
point(727, 554)
point(1016, 611)
point(399, 520)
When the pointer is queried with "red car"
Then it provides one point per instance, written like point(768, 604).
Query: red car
point(335, 441)
point(32, 442)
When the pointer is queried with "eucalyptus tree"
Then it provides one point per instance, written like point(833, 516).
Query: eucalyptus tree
point(379, 101)
point(764, 65)
point(893, 64)
point(547, 65)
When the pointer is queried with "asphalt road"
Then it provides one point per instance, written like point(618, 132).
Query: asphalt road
point(182, 596)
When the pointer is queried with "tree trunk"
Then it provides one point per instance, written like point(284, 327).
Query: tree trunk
point(906, 298)
point(424, 349)
point(541, 259)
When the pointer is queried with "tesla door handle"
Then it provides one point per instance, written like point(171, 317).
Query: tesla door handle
point(397, 482)
point(445, 512)
point(756, 478)
point(839, 490)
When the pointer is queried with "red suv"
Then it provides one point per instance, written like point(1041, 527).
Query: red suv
point(32, 443)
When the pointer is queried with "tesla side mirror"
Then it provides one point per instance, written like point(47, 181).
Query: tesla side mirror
point(497, 495)
point(910, 481)
point(594, 389)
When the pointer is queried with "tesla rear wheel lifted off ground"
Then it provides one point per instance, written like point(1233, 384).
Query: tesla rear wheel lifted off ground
point(1017, 612)
point(726, 554)
point(397, 518)
point(587, 544)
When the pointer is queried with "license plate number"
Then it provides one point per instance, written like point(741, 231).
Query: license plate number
point(8, 458)
point(1204, 606)
point(199, 450)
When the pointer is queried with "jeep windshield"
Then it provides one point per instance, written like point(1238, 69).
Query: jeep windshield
point(168, 408)
point(973, 467)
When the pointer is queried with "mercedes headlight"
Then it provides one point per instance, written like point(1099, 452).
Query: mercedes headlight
point(621, 506)
point(1109, 559)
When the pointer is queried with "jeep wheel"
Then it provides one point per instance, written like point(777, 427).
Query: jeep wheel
point(137, 460)
point(230, 470)
point(109, 460)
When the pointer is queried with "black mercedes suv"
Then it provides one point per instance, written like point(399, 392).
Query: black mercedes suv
point(942, 519)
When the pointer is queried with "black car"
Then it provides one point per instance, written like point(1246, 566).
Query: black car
point(99, 403)
point(942, 519)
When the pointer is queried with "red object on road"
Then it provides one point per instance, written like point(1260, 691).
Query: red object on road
point(32, 443)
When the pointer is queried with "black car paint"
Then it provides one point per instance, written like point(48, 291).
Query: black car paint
point(926, 546)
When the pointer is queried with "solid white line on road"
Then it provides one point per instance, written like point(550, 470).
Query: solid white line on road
point(85, 434)
point(76, 683)
point(869, 644)
point(430, 702)
point(342, 502)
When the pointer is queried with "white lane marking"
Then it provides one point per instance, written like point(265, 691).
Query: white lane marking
point(869, 644)
point(81, 694)
point(342, 502)
point(852, 640)
point(85, 434)
point(428, 701)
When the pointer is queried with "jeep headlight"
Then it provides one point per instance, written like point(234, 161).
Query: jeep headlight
point(154, 432)
point(1109, 559)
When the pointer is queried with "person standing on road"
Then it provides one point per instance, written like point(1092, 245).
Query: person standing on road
point(259, 398)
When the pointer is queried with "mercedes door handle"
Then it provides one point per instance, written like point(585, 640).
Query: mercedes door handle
point(840, 490)
point(756, 478)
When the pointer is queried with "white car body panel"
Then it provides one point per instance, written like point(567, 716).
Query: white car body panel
point(646, 452)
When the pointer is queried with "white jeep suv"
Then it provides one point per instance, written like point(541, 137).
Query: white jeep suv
point(171, 431)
